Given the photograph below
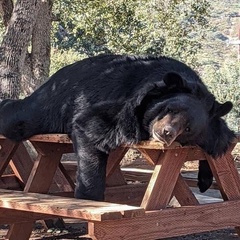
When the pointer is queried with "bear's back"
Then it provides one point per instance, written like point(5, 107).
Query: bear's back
point(113, 77)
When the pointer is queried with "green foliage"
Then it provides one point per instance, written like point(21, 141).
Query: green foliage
point(61, 58)
point(224, 82)
point(218, 61)
point(173, 27)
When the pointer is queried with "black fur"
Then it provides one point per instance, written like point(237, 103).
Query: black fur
point(105, 101)
point(205, 176)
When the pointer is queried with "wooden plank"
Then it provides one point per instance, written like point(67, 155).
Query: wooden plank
point(44, 168)
point(7, 150)
point(131, 194)
point(66, 207)
point(163, 179)
point(116, 178)
point(54, 138)
point(59, 147)
point(62, 178)
point(9, 216)
point(154, 145)
point(71, 168)
point(230, 160)
point(195, 153)
point(10, 181)
point(21, 163)
point(144, 175)
point(226, 175)
point(192, 182)
point(183, 194)
point(114, 159)
point(151, 155)
point(170, 222)
point(61, 181)
point(19, 231)
point(64, 138)
point(137, 174)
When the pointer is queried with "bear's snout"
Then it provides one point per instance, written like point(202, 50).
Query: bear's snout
point(166, 134)
point(169, 131)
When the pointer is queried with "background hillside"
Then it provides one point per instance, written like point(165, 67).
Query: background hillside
point(219, 60)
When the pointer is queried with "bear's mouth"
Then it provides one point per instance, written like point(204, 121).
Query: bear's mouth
point(158, 137)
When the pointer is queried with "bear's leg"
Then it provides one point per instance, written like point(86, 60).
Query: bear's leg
point(205, 176)
point(91, 173)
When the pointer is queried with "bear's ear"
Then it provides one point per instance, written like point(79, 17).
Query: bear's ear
point(220, 110)
point(224, 109)
point(173, 80)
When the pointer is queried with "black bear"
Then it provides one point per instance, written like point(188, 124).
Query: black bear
point(105, 101)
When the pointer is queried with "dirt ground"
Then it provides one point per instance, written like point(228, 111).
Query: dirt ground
point(76, 229)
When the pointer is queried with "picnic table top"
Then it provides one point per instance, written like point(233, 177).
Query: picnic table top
point(149, 144)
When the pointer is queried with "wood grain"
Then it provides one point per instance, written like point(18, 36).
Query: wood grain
point(163, 179)
point(7, 150)
point(170, 222)
point(66, 207)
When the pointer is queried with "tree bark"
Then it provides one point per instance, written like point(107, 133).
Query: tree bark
point(6, 8)
point(36, 69)
point(22, 71)
point(14, 47)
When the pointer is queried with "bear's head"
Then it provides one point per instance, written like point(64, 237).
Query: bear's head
point(179, 117)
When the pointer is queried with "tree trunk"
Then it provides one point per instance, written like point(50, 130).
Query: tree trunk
point(6, 8)
point(29, 26)
point(14, 47)
point(36, 69)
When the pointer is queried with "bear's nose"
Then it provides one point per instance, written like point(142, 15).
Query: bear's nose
point(168, 131)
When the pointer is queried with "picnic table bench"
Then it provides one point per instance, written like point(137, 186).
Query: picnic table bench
point(131, 211)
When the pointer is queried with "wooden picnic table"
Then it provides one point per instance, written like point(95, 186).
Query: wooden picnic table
point(131, 211)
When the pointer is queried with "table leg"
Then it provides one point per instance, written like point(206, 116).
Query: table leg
point(19, 231)
point(227, 177)
point(151, 155)
point(21, 163)
point(114, 176)
point(114, 160)
point(39, 181)
point(183, 194)
point(7, 150)
point(164, 178)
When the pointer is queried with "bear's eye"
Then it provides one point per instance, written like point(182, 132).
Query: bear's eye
point(187, 129)
point(172, 111)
